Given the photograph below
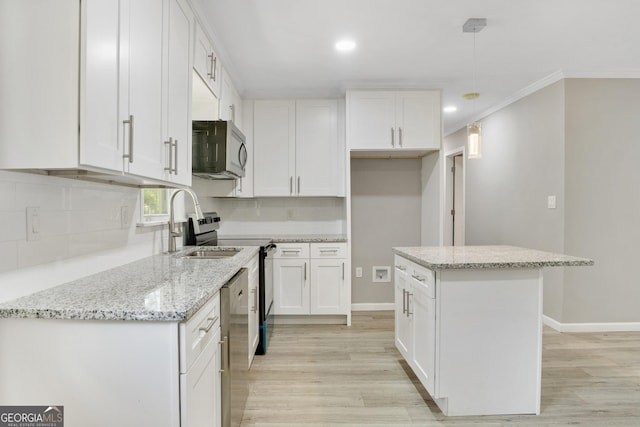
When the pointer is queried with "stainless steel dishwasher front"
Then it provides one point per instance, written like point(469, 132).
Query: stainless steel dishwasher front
point(234, 312)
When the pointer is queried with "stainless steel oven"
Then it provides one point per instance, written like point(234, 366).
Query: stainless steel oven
point(204, 233)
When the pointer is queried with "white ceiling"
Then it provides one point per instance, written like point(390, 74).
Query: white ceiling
point(284, 48)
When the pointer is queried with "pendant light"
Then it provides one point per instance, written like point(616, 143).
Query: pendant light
point(474, 130)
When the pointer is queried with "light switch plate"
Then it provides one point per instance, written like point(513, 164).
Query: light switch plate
point(358, 271)
point(551, 202)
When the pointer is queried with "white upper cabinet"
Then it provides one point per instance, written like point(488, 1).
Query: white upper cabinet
point(274, 147)
point(123, 74)
point(296, 148)
point(230, 101)
point(407, 122)
point(177, 102)
point(140, 82)
point(206, 62)
point(317, 157)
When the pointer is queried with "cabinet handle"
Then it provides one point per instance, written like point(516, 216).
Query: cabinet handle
point(215, 67)
point(298, 184)
point(171, 143)
point(400, 136)
point(334, 251)
point(305, 272)
point(343, 271)
point(291, 251)
point(393, 139)
point(212, 321)
point(290, 185)
point(211, 67)
point(404, 301)
point(175, 157)
point(130, 123)
point(232, 112)
point(223, 353)
point(418, 278)
point(401, 267)
point(409, 313)
point(255, 300)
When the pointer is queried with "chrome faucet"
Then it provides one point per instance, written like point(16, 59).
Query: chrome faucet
point(172, 232)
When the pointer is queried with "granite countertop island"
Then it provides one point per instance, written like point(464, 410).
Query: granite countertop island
point(486, 257)
point(468, 321)
point(166, 287)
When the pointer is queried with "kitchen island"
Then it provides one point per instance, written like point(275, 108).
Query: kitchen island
point(134, 345)
point(469, 323)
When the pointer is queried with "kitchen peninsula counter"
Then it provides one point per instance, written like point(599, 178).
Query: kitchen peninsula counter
point(165, 287)
point(468, 320)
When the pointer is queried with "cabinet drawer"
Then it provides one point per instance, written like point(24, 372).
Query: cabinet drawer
point(422, 279)
point(328, 250)
point(292, 250)
point(198, 331)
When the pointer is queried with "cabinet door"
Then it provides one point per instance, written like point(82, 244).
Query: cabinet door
point(291, 286)
point(371, 120)
point(402, 320)
point(177, 140)
point(418, 120)
point(141, 25)
point(328, 290)
point(316, 147)
point(206, 62)
point(200, 389)
point(99, 137)
point(274, 148)
point(424, 336)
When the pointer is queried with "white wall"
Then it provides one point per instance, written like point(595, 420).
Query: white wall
point(602, 175)
point(385, 212)
point(506, 191)
point(576, 139)
point(81, 231)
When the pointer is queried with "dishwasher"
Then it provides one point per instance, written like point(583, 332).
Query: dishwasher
point(234, 327)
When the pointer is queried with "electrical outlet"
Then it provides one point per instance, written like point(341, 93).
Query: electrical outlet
point(33, 223)
point(289, 214)
point(124, 217)
point(358, 271)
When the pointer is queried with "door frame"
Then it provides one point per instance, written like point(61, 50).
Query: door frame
point(448, 195)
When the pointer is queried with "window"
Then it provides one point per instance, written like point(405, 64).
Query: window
point(155, 205)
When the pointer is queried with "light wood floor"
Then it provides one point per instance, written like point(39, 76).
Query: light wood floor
point(334, 375)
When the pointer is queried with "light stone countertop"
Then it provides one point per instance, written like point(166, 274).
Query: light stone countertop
point(166, 287)
point(486, 257)
point(293, 238)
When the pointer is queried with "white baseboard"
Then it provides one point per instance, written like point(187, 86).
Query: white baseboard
point(381, 306)
point(591, 327)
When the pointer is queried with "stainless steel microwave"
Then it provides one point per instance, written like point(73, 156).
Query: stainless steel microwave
point(219, 150)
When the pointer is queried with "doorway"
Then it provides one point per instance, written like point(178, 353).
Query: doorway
point(454, 206)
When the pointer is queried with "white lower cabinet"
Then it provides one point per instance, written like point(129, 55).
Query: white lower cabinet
point(254, 301)
point(310, 279)
point(155, 373)
point(200, 380)
point(415, 319)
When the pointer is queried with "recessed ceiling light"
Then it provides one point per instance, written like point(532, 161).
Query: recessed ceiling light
point(345, 45)
point(450, 109)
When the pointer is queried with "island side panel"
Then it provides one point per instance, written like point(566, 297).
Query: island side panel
point(104, 373)
point(489, 336)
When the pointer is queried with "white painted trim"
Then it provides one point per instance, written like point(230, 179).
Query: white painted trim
point(380, 306)
point(591, 327)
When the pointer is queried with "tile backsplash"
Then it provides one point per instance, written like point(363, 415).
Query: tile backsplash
point(75, 219)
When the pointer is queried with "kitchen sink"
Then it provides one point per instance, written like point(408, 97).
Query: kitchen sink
point(212, 253)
